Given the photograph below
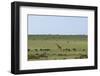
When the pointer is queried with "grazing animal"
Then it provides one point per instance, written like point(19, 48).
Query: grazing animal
point(36, 49)
point(83, 56)
point(41, 49)
point(74, 49)
point(60, 54)
point(43, 55)
point(64, 58)
point(36, 54)
point(83, 49)
point(44, 49)
point(59, 47)
point(68, 49)
point(29, 50)
point(47, 49)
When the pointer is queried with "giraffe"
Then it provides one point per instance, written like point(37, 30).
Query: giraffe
point(59, 47)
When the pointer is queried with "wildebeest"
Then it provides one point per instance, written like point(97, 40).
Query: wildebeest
point(83, 56)
point(64, 58)
point(74, 49)
point(83, 49)
point(36, 54)
point(43, 54)
point(47, 49)
point(67, 49)
point(44, 49)
point(36, 49)
point(60, 54)
point(29, 49)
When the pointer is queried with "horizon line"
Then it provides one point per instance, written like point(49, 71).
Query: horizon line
point(57, 34)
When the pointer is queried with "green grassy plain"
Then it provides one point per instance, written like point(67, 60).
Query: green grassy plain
point(57, 47)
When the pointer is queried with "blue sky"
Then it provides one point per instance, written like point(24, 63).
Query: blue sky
point(62, 25)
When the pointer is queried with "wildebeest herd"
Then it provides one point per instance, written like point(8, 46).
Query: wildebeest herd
point(57, 47)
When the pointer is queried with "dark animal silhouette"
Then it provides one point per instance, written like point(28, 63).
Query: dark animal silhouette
point(29, 50)
point(74, 49)
point(83, 49)
point(36, 49)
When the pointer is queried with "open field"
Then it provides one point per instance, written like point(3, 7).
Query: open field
point(56, 47)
